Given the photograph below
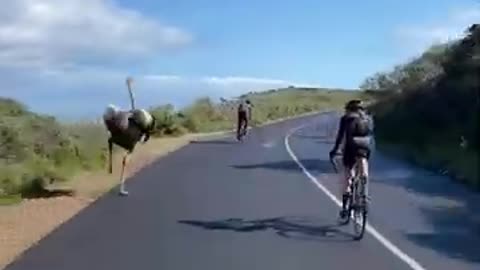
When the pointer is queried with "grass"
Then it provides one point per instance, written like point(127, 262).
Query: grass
point(457, 163)
point(6, 200)
point(37, 152)
point(204, 115)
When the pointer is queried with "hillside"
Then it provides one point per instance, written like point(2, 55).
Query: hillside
point(36, 150)
point(429, 108)
point(205, 115)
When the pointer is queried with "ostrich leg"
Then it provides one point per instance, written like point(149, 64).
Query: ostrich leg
point(122, 174)
point(110, 161)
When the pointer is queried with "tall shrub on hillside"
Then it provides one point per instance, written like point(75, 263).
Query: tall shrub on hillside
point(433, 101)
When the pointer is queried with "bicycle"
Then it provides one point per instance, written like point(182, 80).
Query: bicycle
point(243, 132)
point(357, 202)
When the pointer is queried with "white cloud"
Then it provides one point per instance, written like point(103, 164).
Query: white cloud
point(162, 78)
point(64, 33)
point(69, 58)
point(85, 92)
point(416, 38)
point(214, 86)
point(242, 80)
point(244, 84)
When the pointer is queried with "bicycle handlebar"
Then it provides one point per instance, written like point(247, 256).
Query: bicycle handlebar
point(333, 163)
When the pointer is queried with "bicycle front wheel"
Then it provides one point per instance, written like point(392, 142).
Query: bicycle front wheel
point(360, 222)
point(359, 211)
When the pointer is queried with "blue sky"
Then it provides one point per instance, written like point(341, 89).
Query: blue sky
point(70, 57)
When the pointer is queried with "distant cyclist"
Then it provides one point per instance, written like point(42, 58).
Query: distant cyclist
point(355, 134)
point(244, 112)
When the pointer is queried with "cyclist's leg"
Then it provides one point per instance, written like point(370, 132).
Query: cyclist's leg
point(363, 155)
point(242, 127)
point(345, 179)
point(348, 171)
point(349, 168)
point(239, 124)
point(245, 124)
point(363, 166)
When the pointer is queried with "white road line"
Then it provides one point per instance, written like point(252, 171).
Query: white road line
point(382, 239)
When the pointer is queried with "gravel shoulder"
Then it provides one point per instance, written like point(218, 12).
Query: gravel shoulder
point(24, 224)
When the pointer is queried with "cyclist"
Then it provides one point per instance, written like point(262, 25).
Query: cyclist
point(244, 111)
point(355, 133)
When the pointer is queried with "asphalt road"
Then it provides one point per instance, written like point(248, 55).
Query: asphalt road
point(220, 204)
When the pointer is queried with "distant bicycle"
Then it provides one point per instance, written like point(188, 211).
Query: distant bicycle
point(244, 111)
point(242, 133)
point(357, 202)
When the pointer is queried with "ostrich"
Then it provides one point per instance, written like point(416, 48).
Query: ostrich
point(126, 129)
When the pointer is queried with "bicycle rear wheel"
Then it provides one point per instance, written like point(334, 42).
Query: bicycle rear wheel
point(348, 206)
point(359, 210)
point(242, 134)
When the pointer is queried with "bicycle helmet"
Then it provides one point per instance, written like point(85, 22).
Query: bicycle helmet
point(354, 105)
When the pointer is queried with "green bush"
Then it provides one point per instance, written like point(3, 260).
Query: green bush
point(168, 121)
point(36, 150)
point(428, 104)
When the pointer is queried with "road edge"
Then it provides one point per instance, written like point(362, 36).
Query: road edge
point(412, 263)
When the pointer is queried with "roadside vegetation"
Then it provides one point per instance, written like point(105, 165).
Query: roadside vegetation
point(428, 109)
point(36, 150)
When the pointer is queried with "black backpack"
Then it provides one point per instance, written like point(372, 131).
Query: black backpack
point(361, 125)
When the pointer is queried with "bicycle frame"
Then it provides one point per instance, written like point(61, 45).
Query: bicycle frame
point(241, 134)
point(353, 178)
point(357, 203)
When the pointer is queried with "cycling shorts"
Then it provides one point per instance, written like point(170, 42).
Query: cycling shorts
point(352, 152)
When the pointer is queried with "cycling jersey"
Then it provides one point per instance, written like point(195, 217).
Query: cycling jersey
point(355, 133)
point(244, 107)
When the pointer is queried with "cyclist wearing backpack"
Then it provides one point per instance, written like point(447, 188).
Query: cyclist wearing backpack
point(244, 112)
point(355, 134)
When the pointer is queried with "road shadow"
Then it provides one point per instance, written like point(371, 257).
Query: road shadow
point(312, 165)
point(39, 191)
point(295, 228)
point(456, 231)
point(455, 235)
point(322, 139)
point(326, 141)
point(214, 142)
point(315, 137)
point(449, 207)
